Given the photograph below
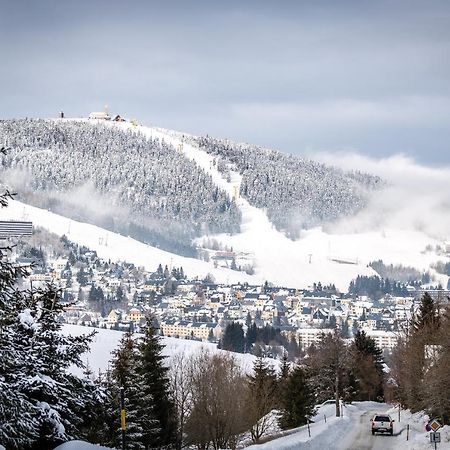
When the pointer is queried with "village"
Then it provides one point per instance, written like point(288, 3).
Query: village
point(120, 296)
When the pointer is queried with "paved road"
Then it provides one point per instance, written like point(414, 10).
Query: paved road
point(362, 439)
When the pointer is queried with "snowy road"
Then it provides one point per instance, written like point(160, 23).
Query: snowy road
point(353, 432)
point(361, 437)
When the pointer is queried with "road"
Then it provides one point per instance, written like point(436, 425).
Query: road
point(361, 437)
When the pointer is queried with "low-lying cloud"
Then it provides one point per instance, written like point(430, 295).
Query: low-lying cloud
point(416, 197)
point(83, 202)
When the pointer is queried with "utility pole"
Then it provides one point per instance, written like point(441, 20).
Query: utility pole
point(122, 416)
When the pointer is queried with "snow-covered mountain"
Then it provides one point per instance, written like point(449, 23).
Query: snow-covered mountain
point(117, 174)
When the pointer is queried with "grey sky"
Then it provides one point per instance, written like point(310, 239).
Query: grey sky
point(294, 75)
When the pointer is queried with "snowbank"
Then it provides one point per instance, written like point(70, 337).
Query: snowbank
point(79, 445)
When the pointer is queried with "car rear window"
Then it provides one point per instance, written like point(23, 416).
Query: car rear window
point(382, 419)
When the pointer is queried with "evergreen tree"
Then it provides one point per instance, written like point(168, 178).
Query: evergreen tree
point(233, 338)
point(120, 296)
point(166, 272)
point(428, 315)
point(125, 372)
point(211, 335)
point(261, 397)
point(155, 385)
point(298, 400)
point(367, 367)
point(82, 278)
point(42, 404)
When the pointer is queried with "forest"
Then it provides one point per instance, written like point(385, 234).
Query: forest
point(114, 179)
point(296, 192)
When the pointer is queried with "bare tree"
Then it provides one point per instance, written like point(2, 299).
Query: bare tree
point(328, 365)
point(217, 416)
point(181, 374)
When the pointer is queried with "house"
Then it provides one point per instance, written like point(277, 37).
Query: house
point(135, 315)
point(186, 329)
point(100, 115)
point(308, 336)
point(383, 339)
point(119, 119)
point(304, 314)
point(41, 275)
point(113, 317)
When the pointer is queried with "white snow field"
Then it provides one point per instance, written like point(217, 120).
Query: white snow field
point(80, 445)
point(316, 256)
point(105, 341)
point(116, 247)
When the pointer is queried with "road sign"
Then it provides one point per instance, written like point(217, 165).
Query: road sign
point(435, 425)
point(435, 437)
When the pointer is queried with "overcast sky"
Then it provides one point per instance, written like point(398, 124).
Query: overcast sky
point(302, 77)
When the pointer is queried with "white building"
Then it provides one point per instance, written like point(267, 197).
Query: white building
point(100, 115)
point(308, 336)
point(384, 339)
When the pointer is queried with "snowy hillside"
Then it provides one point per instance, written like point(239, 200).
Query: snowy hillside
point(296, 192)
point(118, 180)
point(317, 255)
point(117, 247)
point(105, 341)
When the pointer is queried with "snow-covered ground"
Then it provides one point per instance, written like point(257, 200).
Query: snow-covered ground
point(80, 445)
point(116, 247)
point(105, 341)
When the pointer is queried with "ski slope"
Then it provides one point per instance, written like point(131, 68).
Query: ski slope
point(116, 247)
point(316, 256)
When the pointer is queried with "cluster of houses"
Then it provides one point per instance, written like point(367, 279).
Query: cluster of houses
point(121, 296)
point(198, 309)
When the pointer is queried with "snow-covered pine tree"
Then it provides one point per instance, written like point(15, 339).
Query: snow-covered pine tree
point(261, 398)
point(124, 375)
point(155, 385)
point(41, 403)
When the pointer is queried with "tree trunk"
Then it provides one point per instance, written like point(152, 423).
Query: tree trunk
point(336, 390)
